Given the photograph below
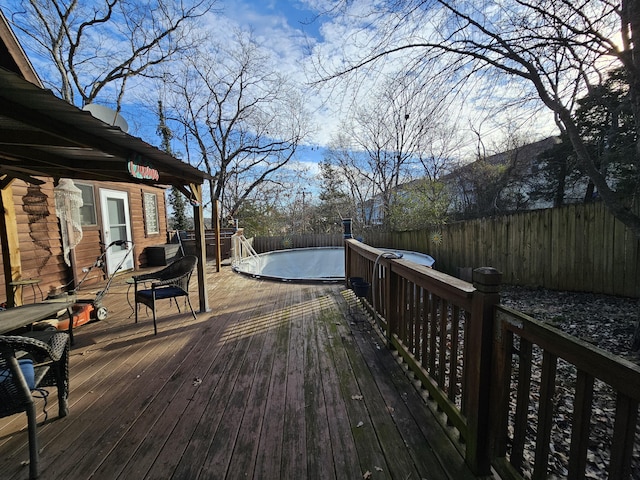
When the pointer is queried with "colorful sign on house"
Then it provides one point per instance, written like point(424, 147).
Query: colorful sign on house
point(139, 168)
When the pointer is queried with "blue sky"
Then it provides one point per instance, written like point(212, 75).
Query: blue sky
point(290, 27)
point(293, 31)
point(297, 14)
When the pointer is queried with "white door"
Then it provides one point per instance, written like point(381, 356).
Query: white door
point(116, 225)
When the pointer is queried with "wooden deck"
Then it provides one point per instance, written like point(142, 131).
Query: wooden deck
point(279, 381)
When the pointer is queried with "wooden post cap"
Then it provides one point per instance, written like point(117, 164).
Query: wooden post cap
point(487, 279)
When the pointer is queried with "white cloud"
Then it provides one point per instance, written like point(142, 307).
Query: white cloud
point(298, 33)
point(337, 41)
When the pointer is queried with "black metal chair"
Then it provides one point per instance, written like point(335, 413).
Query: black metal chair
point(170, 282)
point(27, 364)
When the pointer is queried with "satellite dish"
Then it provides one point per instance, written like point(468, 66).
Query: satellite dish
point(107, 115)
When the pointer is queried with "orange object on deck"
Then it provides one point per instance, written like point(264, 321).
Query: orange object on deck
point(81, 315)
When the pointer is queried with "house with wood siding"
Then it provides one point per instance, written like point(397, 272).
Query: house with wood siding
point(44, 140)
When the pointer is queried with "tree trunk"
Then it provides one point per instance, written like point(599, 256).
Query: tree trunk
point(588, 195)
point(558, 200)
point(635, 343)
point(630, 16)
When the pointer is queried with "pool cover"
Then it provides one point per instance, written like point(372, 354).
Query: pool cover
point(322, 264)
point(300, 264)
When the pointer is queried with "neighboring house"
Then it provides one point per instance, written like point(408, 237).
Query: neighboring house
point(499, 183)
point(122, 181)
point(373, 211)
point(510, 181)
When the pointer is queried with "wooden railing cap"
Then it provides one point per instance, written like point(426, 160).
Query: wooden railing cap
point(487, 279)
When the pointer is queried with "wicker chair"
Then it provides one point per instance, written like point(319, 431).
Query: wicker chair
point(50, 368)
point(170, 282)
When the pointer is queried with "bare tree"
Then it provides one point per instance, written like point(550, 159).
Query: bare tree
point(97, 45)
point(420, 205)
point(245, 119)
point(397, 136)
point(553, 50)
point(500, 178)
point(351, 168)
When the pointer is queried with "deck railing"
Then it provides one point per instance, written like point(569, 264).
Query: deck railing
point(492, 372)
point(544, 391)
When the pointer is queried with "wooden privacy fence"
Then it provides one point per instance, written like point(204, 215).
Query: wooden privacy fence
point(187, 237)
point(283, 242)
point(495, 374)
point(575, 247)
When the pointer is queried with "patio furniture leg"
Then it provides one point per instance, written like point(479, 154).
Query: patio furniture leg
point(155, 327)
point(33, 440)
point(192, 311)
point(62, 380)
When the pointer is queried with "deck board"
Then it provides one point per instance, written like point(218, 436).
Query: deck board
point(345, 454)
point(317, 413)
point(294, 452)
point(270, 445)
point(278, 381)
point(369, 451)
point(139, 450)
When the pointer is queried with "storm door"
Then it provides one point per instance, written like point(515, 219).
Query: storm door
point(116, 225)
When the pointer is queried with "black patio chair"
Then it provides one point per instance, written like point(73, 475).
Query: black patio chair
point(28, 365)
point(169, 283)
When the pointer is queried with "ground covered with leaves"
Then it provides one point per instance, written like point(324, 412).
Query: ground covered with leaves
point(605, 321)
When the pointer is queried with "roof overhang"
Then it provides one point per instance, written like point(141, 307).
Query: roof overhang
point(12, 55)
point(42, 135)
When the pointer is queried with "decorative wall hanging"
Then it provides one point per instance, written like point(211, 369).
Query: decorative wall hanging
point(36, 205)
point(68, 199)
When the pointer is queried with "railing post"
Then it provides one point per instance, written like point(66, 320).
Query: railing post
point(486, 280)
point(346, 225)
point(347, 262)
point(389, 303)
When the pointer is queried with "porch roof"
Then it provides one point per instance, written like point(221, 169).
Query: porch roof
point(42, 135)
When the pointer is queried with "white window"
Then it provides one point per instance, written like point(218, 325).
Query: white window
point(151, 224)
point(88, 208)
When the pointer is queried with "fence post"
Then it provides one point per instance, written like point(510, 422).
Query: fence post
point(486, 280)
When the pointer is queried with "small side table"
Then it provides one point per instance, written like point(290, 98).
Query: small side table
point(25, 282)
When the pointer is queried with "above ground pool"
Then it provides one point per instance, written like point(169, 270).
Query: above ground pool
point(322, 264)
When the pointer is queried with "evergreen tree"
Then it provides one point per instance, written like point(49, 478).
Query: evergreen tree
point(179, 220)
point(335, 204)
point(606, 125)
